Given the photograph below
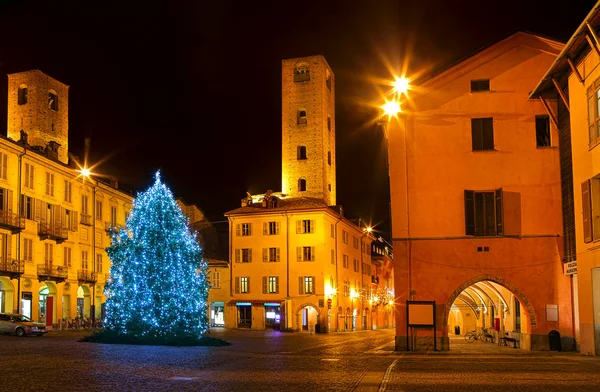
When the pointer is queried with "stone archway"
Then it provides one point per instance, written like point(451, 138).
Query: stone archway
point(7, 295)
point(299, 317)
point(496, 279)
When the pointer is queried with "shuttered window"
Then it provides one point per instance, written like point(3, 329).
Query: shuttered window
point(482, 134)
point(306, 284)
point(484, 213)
point(3, 166)
point(271, 255)
point(270, 285)
point(586, 196)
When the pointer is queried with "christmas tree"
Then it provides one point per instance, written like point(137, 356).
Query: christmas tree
point(158, 286)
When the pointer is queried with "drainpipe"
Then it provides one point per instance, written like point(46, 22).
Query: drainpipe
point(93, 307)
point(19, 206)
point(287, 268)
point(337, 282)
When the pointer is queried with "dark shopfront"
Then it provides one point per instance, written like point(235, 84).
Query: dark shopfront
point(244, 311)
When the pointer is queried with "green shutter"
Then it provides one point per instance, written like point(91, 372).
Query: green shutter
point(301, 285)
point(499, 212)
point(469, 212)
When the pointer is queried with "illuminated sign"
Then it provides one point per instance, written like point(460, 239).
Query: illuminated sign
point(270, 315)
point(272, 304)
point(243, 304)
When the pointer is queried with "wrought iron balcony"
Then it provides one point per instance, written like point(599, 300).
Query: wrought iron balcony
point(56, 274)
point(12, 221)
point(111, 227)
point(86, 276)
point(86, 219)
point(11, 268)
point(53, 231)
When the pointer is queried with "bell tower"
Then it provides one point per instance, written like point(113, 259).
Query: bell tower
point(308, 129)
point(39, 105)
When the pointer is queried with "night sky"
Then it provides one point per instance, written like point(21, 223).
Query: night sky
point(193, 88)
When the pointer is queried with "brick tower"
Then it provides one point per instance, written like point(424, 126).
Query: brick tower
point(38, 105)
point(308, 129)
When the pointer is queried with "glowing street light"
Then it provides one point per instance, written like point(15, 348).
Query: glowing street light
point(391, 108)
point(85, 172)
point(401, 85)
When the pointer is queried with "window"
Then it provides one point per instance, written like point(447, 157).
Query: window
point(301, 153)
point(28, 249)
point(49, 184)
point(28, 176)
point(3, 166)
point(302, 185)
point(270, 228)
point(355, 242)
point(593, 95)
point(332, 256)
point(329, 158)
point(346, 262)
point(244, 229)
point(98, 210)
point(329, 187)
point(69, 220)
point(5, 199)
point(482, 133)
point(68, 191)
point(328, 123)
point(346, 288)
point(480, 85)
point(243, 255)
point(305, 226)
point(356, 265)
point(305, 253)
point(270, 284)
point(332, 230)
point(48, 253)
point(542, 131)
point(302, 116)
point(53, 101)
point(216, 280)
point(67, 257)
point(590, 193)
point(27, 207)
point(99, 263)
point(22, 95)
point(483, 213)
point(345, 236)
point(84, 259)
point(517, 315)
point(301, 73)
point(113, 216)
point(271, 255)
point(244, 284)
point(307, 285)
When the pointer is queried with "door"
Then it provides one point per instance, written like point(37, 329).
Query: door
point(244, 316)
point(49, 311)
point(305, 319)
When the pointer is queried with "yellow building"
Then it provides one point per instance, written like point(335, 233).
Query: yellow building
point(54, 223)
point(297, 262)
point(573, 80)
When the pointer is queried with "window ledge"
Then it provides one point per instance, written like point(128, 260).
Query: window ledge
point(591, 146)
point(546, 147)
point(489, 151)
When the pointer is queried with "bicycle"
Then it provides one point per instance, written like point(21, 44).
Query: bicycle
point(483, 336)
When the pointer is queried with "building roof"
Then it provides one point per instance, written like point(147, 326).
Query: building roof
point(483, 55)
point(576, 48)
point(283, 205)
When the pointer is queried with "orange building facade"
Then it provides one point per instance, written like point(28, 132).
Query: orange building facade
point(476, 203)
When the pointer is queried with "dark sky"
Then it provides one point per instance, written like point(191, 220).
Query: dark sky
point(193, 88)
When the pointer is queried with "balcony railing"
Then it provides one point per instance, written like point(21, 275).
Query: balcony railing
point(87, 276)
point(53, 273)
point(110, 227)
point(12, 268)
point(53, 231)
point(86, 219)
point(12, 221)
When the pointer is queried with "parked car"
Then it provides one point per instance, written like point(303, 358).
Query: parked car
point(20, 325)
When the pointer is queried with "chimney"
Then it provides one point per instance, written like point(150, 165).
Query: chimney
point(114, 183)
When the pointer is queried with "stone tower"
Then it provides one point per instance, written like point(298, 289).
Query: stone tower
point(38, 105)
point(308, 129)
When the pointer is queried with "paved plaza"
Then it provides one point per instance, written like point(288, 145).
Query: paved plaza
point(275, 361)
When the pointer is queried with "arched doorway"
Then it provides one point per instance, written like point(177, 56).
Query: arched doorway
point(308, 317)
point(84, 302)
point(489, 305)
point(47, 304)
point(7, 298)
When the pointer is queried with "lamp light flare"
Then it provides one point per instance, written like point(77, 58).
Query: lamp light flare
point(401, 85)
point(391, 108)
point(85, 172)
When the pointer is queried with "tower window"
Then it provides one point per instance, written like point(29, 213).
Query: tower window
point(53, 101)
point(328, 123)
point(301, 153)
point(480, 85)
point(329, 158)
point(302, 116)
point(302, 185)
point(22, 95)
point(301, 73)
point(328, 80)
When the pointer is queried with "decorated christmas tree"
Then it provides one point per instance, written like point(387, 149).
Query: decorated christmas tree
point(157, 286)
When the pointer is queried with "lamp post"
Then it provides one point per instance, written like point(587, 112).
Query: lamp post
point(353, 295)
point(87, 174)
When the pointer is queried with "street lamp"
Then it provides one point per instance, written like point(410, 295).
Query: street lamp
point(353, 296)
point(86, 173)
